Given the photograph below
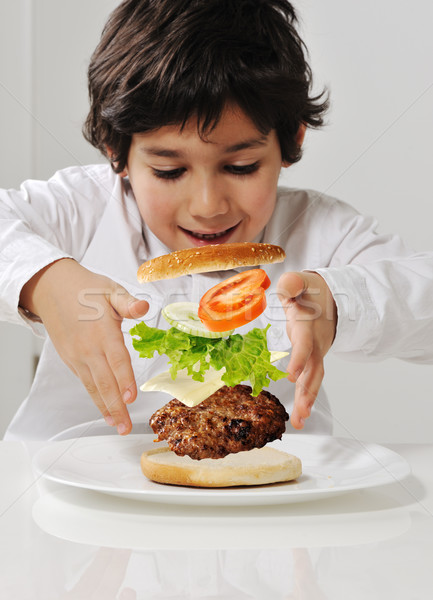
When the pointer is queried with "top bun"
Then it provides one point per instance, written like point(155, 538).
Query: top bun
point(214, 257)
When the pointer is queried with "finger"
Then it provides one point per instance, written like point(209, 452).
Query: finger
point(126, 305)
point(110, 393)
point(301, 337)
point(84, 374)
point(120, 363)
point(290, 286)
point(307, 388)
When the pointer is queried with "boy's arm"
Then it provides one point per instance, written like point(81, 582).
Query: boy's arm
point(311, 321)
point(380, 290)
point(88, 338)
point(42, 222)
point(43, 226)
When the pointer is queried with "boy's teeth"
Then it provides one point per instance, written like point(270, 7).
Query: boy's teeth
point(208, 236)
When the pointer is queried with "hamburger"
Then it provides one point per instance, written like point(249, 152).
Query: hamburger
point(216, 427)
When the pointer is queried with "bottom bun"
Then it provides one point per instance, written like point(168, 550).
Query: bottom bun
point(253, 467)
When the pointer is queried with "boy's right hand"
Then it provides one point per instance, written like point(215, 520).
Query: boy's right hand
point(82, 313)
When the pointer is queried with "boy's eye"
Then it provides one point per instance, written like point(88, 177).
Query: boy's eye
point(242, 169)
point(232, 169)
point(171, 174)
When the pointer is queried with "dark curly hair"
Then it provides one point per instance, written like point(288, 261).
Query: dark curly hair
point(161, 62)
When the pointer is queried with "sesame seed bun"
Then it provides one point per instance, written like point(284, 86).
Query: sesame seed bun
point(214, 257)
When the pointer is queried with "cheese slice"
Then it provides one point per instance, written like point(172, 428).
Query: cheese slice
point(188, 391)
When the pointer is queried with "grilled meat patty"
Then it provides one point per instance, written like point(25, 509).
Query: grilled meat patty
point(229, 421)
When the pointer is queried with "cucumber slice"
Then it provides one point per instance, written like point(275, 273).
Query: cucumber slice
point(184, 316)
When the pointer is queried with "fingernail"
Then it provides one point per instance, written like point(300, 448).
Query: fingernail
point(127, 396)
point(302, 422)
point(121, 428)
point(109, 420)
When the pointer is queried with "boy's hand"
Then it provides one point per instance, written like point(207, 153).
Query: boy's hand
point(311, 321)
point(82, 313)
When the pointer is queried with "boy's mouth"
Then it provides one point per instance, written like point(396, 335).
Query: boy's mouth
point(218, 237)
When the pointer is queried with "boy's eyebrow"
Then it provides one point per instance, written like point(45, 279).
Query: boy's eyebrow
point(164, 152)
point(252, 143)
point(168, 153)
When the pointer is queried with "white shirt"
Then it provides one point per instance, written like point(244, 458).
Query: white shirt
point(383, 290)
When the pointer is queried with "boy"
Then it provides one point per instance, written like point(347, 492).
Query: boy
point(197, 105)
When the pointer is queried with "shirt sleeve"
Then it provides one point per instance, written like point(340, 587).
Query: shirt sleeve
point(40, 223)
point(382, 289)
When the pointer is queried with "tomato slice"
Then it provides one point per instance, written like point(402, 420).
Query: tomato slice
point(235, 301)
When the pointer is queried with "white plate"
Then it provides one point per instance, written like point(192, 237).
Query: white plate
point(111, 464)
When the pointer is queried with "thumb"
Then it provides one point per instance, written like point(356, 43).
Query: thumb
point(290, 286)
point(128, 306)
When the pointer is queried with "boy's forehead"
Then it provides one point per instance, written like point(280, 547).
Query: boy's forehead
point(233, 132)
point(155, 149)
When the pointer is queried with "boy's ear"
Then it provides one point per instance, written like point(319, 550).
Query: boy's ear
point(299, 140)
point(123, 173)
point(301, 134)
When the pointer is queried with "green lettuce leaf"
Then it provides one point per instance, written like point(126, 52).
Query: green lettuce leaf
point(245, 357)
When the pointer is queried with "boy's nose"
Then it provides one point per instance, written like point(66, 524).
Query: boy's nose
point(208, 200)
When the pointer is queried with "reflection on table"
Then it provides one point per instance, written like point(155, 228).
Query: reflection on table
point(60, 542)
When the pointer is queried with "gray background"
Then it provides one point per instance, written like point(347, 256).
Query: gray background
point(375, 153)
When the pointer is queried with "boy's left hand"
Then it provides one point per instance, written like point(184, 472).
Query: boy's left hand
point(311, 321)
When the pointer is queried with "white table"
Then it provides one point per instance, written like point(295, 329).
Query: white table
point(58, 542)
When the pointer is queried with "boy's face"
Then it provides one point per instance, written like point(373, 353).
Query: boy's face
point(193, 192)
